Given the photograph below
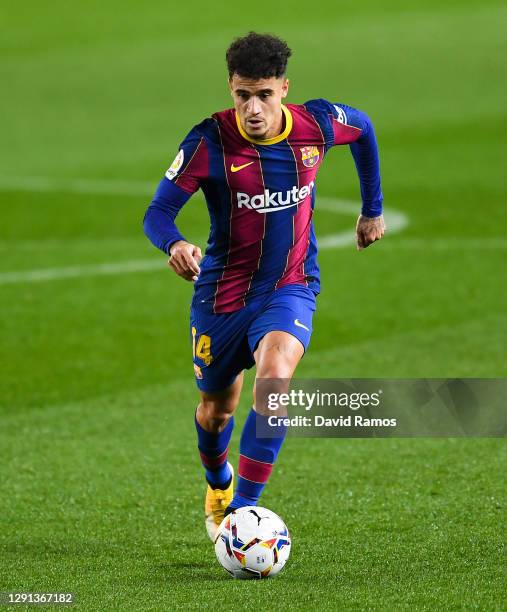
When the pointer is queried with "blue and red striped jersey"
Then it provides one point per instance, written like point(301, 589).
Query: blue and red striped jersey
point(260, 196)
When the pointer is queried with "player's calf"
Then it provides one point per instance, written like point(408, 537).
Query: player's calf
point(276, 357)
point(256, 460)
point(214, 422)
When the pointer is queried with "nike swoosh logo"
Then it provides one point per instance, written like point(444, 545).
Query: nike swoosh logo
point(299, 324)
point(238, 168)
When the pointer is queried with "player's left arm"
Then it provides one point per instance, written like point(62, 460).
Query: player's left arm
point(351, 126)
point(370, 224)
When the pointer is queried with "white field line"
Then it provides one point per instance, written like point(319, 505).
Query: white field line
point(453, 243)
point(42, 184)
point(49, 274)
point(395, 221)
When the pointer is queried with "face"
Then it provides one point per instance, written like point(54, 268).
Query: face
point(258, 104)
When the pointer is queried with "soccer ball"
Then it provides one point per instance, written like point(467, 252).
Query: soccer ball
point(252, 542)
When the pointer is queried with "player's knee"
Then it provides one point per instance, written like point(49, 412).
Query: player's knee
point(217, 411)
point(275, 368)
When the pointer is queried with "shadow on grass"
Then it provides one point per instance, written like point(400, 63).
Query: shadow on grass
point(177, 567)
point(186, 571)
point(42, 549)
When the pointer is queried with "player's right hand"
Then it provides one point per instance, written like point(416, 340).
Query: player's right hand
point(184, 259)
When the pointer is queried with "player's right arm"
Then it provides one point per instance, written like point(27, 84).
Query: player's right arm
point(181, 180)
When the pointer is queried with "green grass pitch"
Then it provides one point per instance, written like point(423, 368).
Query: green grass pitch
point(101, 489)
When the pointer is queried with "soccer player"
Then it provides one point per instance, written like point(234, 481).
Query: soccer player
point(255, 288)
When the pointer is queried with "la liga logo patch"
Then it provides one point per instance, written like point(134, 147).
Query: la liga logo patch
point(175, 166)
point(309, 156)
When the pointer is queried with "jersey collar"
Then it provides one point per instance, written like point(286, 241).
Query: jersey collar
point(275, 139)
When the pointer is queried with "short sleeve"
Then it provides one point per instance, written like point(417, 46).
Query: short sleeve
point(190, 166)
point(338, 126)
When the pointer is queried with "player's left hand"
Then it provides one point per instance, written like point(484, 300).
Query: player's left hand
point(368, 230)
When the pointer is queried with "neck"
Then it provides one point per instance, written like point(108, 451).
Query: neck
point(278, 126)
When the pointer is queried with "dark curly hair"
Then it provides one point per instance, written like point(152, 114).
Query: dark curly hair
point(258, 56)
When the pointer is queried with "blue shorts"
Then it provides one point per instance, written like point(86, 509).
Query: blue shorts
point(223, 344)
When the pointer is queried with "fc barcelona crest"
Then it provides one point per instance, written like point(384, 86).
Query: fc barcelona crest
point(309, 156)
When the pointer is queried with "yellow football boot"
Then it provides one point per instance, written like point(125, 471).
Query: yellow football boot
point(216, 502)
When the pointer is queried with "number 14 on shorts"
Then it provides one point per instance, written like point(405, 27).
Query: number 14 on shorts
point(201, 347)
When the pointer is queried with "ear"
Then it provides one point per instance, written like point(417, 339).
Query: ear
point(285, 88)
point(229, 83)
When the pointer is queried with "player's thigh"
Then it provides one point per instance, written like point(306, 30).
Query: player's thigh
point(276, 358)
point(281, 333)
point(220, 351)
point(277, 355)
